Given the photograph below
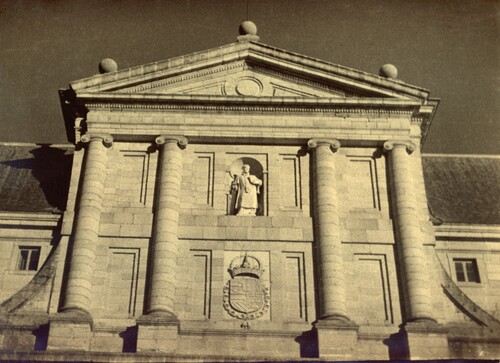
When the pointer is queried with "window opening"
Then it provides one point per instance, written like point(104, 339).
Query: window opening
point(466, 270)
point(28, 258)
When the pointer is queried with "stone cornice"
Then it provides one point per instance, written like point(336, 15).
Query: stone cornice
point(237, 108)
point(478, 231)
point(268, 100)
point(34, 220)
point(185, 77)
point(347, 79)
point(331, 67)
point(123, 102)
point(476, 156)
point(300, 80)
point(425, 115)
point(238, 66)
point(235, 52)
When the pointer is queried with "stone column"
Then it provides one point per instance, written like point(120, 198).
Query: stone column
point(409, 237)
point(164, 246)
point(327, 222)
point(85, 238)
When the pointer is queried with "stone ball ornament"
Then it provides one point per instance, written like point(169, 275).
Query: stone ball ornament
point(107, 65)
point(248, 28)
point(388, 71)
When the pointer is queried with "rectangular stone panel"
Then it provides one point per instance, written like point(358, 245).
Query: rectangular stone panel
point(121, 293)
point(290, 181)
point(130, 177)
point(134, 176)
point(203, 172)
point(362, 183)
point(200, 271)
point(373, 304)
point(295, 300)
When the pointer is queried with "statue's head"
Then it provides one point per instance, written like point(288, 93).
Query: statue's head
point(246, 168)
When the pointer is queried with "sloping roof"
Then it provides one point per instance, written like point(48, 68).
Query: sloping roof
point(34, 177)
point(463, 189)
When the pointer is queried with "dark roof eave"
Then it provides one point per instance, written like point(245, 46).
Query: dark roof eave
point(426, 125)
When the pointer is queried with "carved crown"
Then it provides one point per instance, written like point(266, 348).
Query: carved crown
point(245, 266)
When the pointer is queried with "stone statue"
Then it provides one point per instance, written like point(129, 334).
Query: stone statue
point(246, 187)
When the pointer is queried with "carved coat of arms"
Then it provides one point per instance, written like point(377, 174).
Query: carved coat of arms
point(245, 296)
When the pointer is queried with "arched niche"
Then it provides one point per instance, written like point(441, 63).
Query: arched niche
point(257, 170)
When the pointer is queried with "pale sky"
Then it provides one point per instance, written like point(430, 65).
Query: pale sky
point(450, 47)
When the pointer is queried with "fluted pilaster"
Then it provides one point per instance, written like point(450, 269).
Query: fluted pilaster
point(409, 236)
point(85, 238)
point(165, 242)
point(327, 223)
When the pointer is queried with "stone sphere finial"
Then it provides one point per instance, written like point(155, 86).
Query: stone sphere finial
point(107, 65)
point(388, 71)
point(248, 28)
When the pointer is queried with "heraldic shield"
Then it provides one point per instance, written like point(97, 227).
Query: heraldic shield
point(245, 296)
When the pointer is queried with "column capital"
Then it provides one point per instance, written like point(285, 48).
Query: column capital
point(333, 144)
point(181, 141)
point(392, 144)
point(106, 139)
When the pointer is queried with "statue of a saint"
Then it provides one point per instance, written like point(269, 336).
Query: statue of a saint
point(246, 187)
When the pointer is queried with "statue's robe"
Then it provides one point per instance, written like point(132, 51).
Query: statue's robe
point(248, 188)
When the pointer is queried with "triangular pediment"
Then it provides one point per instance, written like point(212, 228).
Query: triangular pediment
point(238, 79)
point(247, 69)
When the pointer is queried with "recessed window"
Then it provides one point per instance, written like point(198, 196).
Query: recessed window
point(466, 270)
point(28, 258)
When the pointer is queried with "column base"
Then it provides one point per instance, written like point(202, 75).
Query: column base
point(70, 330)
point(427, 340)
point(157, 332)
point(337, 338)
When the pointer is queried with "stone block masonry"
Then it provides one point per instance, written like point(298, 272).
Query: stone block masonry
point(293, 225)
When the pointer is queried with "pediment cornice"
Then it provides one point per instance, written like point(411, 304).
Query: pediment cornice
point(260, 56)
point(122, 101)
point(247, 77)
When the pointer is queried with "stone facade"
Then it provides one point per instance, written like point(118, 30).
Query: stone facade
point(340, 262)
